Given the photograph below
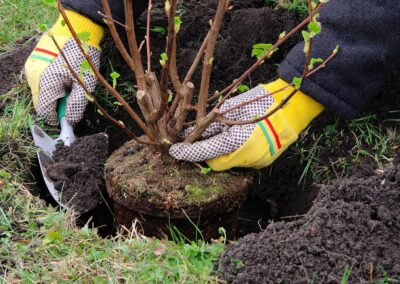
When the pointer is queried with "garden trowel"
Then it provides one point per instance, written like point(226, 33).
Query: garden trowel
point(47, 146)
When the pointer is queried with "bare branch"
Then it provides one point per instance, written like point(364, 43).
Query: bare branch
point(171, 37)
point(114, 33)
point(183, 109)
point(150, 6)
point(133, 46)
point(208, 59)
point(202, 126)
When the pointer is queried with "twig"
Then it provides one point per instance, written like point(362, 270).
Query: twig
point(110, 18)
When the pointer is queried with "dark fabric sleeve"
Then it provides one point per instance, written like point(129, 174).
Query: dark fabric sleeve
point(368, 33)
point(89, 8)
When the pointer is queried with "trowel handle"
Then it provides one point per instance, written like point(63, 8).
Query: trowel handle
point(62, 105)
point(67, 131)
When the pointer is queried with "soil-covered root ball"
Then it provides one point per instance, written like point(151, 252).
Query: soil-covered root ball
point(354, 225)
point(161, 196)
point(78, 171)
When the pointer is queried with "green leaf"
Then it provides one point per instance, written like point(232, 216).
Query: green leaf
point(205, 171)
point(243, 88)
point(314, 27)
point(114, 76)
point(84, 36)
point(159, 30)
point(85, 66)
point(297, 82)
point(306, 36)
point(313, 62)
point(164, 58)
point(177, 23)
point(259, 49)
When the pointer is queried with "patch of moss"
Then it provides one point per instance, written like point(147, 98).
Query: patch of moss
point(198, 194)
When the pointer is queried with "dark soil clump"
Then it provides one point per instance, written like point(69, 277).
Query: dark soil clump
point(78, 172)
point(354, 222)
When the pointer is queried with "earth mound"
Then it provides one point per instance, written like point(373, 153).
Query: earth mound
point(353, 223)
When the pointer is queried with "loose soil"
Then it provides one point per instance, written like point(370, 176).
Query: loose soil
point(354, 222)
point(78, 172)
point(11, 64)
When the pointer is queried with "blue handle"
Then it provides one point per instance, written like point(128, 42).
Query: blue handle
point(62, 105)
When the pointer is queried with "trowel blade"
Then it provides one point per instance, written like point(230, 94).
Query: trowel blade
point(43, 141)
point(44, 161)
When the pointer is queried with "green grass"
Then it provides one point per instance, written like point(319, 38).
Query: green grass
point(19, 18)
point(328, 154)
point(299, 6)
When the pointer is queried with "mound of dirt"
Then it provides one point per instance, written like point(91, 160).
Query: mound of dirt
point(11, 64)
point(78, 171)
point(354, 222)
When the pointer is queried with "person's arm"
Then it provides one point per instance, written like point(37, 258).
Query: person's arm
point(89, 8)
point(368, 33)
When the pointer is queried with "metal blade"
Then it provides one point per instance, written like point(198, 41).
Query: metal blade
point(44, 161)
point(43, 141)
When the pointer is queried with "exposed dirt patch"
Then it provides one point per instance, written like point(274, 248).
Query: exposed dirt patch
point(11, 64)
point(354, 222)
point(78, 171)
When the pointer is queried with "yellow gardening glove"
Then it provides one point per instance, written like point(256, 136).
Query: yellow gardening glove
point(48, 76)
point(254, 145)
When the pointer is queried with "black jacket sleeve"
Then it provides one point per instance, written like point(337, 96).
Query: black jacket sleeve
point(368, 33)
point(89, 8)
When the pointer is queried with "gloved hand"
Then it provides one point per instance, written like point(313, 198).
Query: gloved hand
point(254, 145)
point(48, 75)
